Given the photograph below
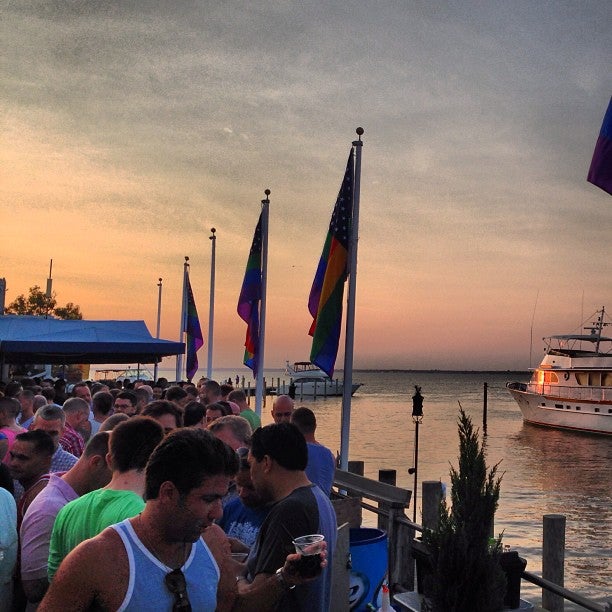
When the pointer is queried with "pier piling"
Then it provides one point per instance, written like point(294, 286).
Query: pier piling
point(432, 496)
point(553, 559)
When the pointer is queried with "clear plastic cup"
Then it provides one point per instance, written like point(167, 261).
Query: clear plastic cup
point(309, 547)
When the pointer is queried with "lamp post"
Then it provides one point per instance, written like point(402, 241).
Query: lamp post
point(417, 417)
point(159, 294)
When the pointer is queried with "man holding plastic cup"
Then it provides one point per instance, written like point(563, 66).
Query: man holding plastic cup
point(278, 459)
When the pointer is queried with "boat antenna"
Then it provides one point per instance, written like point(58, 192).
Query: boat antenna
point(531, 329)
point(597, 326)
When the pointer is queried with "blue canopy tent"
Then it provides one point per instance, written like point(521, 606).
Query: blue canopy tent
point(26, 339)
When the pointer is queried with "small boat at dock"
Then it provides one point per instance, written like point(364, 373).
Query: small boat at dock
point(131, 374)
point(310, 380)
point(572, 386)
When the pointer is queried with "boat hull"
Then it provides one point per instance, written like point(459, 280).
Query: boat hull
point(328, 388)
point(562, 413)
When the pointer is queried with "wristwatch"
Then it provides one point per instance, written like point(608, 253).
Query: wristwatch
point(280, 578)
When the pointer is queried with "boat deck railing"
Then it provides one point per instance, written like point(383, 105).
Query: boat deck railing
point(584, 394)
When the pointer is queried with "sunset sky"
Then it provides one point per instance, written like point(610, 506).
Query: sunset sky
point(129, 129)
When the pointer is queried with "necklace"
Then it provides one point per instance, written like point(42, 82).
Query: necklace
point(153, 550)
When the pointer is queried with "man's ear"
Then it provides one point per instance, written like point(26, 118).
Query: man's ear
point(97, 461)
point(267, 463)
point(168, 491)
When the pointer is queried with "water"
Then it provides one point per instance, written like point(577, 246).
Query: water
point(545, 471)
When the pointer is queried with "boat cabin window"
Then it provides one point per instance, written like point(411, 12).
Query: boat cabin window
point(582, 378)
point(594, 379)
point(606, 379)
point(545, 377)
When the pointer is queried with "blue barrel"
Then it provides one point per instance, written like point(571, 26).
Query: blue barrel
point(368, 566)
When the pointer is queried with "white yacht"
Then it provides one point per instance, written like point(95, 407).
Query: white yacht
point(572, 387)
point(310, 380)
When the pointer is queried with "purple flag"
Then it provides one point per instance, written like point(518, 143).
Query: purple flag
point(193, 332)
point(600, 172)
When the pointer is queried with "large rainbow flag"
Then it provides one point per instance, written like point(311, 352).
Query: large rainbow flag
point(327, 293)
point(249, 301)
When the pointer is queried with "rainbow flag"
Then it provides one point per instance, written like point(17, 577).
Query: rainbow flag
point(249, 301)
point(600, 172)
point(327, 292)
point(193, 332)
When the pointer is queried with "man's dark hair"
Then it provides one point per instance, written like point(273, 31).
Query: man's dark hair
point(27, 392)
point(10, 405)
point(97, 445)
point(41, 440)
point(194, 413)
point(186, 457)
point(6, 482)
point(237, 396)
point(160, 407)
point(226, 389)
point(175, 394)
point(48, 393)
point(27, 382)
point(283, 442)
point(223, 407)
point(128, 395)
point(132, 442)
point(102, 402)
point(304, 419)
point(13, 388)
point(191, 390)
point(213, 386)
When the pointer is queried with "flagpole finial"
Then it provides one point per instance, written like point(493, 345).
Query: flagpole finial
point(186, 259)
point(267, 192)
point(160, 280)
point(360, 132)
point(213, 237)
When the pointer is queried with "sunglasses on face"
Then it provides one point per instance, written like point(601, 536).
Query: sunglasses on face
point(177, 585)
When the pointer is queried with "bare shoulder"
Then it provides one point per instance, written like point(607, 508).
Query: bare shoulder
point(93, 575)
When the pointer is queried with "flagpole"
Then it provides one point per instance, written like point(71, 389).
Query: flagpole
point(179, 358)
point(350, 312)
point(211, 310)
point(159, 295)
point(259, 389)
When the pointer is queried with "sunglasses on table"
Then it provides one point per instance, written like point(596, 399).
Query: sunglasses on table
point(177, 585)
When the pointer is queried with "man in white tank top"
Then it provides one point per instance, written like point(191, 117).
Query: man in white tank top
point(156, 560)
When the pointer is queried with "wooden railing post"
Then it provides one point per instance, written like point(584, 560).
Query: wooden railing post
point(432, 494)
point(388, 477)
point(553, 558)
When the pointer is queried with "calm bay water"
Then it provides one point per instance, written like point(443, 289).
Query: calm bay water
point(545, 471)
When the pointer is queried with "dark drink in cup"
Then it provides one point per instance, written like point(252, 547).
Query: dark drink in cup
point(309, 548)
point(308, 566)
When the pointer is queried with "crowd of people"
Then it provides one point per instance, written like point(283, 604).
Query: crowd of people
point(132, 496)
